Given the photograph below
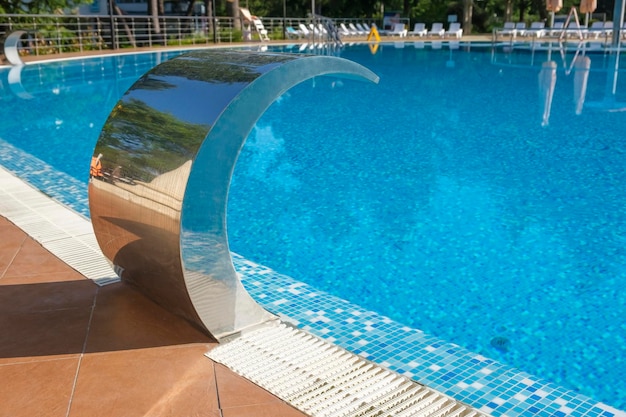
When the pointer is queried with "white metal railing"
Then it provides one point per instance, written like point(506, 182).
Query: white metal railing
point(52, 34)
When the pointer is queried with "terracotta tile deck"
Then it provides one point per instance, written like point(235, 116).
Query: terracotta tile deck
point(70, 348)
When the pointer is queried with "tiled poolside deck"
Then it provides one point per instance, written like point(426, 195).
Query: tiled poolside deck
point(71, 348)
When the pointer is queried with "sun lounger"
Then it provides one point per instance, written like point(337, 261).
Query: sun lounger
point(520, 28)
point(293, 33)
point(305, 30)
point(600, 30)
point(454, 30)
point(537, 30)
point(419, 29)
point(507, 30)
point(398, 30)
point(356, 30)
point(557, 28)
point(437, 29)
point(256, 22)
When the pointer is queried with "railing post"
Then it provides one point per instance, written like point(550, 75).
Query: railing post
point(112, 22)
point(80, 34)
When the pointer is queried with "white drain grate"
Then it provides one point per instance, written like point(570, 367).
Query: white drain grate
point(65, 233)
point(321, 379)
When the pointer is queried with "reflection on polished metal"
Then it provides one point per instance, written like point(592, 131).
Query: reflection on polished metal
point(158, 199)
point(10, 47)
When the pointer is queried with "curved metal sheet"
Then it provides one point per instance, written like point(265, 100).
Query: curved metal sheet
point(10, 47)
point(168, 151)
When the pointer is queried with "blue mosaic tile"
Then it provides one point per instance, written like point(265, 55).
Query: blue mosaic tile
point(485, 384)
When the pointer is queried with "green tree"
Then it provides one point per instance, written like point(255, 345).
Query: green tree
point(39, 6)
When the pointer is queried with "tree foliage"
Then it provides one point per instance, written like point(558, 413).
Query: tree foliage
point(486, 13)
point(39, 6)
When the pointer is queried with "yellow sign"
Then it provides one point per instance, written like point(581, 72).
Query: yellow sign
point(374, 33)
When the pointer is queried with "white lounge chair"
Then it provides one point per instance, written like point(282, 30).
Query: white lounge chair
point(600, 29)
point(520, 28)
point(419, 29)
point(261, 30)
point(361, 28)
point(575, 29)
point(537, 30)
point(367, 27)
point(507, 30)
point(398, 29)
point(344, 31)
point(608, 29)
point(454, 30)
point(557, 28)
point(305, 30)
point(437, 29)
point(356, 30)
point(293, 33)
point(256, 22)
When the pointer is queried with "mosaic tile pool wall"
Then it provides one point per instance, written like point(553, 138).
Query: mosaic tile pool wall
point(481, 382)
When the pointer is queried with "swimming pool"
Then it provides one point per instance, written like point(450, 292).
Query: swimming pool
point(436, 198)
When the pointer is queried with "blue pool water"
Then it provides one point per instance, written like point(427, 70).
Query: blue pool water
point(440, 198)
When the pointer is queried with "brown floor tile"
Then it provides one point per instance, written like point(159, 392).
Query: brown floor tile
point(38, 389)
point(41, 335)
point(124, 319)
point(164, 381)
point(10, 244)
point(235, 391)
point(34, 259)
point(38, 297)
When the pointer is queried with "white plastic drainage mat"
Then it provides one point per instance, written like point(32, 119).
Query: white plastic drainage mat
point(321, 379)
point(65, 233)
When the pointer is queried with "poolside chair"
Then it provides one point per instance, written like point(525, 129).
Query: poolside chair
point(261, 30)
point(367, 27)
point(557, 28)
point(249, 18)
point(322, 29)
point(361, 28)
point(537, 30)
point(305, 30)
point(344, 31)
point(507, 30)
point(356, 30)
point(520, 28)
point(293, 33)
point(598, 29)
point(575, 29)
point(454, 30)
point(398, 29)
point(437, 29)
point(419, 29)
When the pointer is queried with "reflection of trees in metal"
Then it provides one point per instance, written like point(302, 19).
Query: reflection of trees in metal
point(139, 138)
point(237, 68)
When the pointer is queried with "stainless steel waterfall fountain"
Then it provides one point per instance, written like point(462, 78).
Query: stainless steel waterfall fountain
point(158, 193)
